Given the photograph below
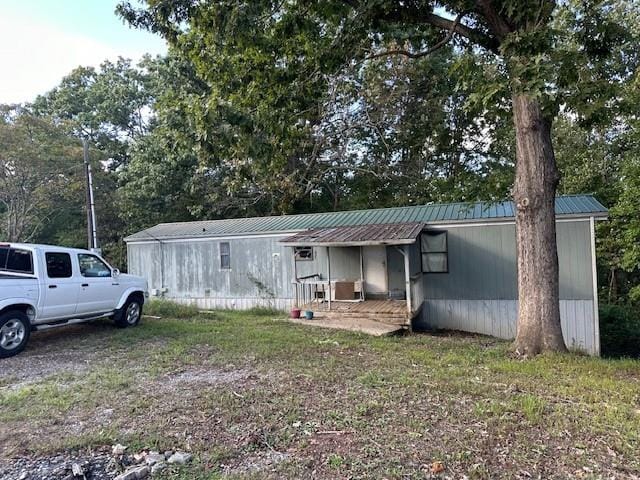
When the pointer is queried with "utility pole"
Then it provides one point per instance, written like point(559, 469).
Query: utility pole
point(92, 234)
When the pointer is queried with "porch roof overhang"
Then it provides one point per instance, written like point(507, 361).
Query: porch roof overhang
point(357, 236)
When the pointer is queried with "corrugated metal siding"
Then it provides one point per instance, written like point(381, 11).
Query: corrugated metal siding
point(283, 304)
point(345, 263)
point(565, 205)
point(261, 268)
point(482, 264)
point(498, 318)
point(479, 294)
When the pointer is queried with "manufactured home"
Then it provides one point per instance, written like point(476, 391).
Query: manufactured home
point(449, 266)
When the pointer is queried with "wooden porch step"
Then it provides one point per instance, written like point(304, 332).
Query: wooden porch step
point(389, 319)
point(361, 325)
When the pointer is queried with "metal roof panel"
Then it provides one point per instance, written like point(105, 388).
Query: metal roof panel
point(575, 205)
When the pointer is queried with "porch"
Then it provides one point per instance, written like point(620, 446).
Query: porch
point(362, 278)
point(374, 317)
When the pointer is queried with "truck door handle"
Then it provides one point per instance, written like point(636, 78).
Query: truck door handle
point(53, 286)
point(85, 284)
point(115, 283)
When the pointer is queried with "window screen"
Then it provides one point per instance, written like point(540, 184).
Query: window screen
point(225, 256)
point(15, 260)
point(434, 252)
point(58, 265)
point(303, 253)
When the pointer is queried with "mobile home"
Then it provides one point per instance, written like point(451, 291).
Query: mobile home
point(450, 266)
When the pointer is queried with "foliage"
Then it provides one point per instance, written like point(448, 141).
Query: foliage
point(39, 174)
point(277, 102)
point(620, 331)
point(343, 130)
point(112, 108)
point(264, 312)
point(168, 309)
point(109, 106)
point(287, 107)
point(601, 156)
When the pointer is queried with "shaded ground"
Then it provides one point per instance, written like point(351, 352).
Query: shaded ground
point(257, 397)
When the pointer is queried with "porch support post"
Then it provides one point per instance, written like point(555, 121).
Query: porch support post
point(361, 275)
point(295, 276)
point(329, 274)
point(407, 277)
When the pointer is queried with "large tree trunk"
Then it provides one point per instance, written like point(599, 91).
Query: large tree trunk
point(534, 193)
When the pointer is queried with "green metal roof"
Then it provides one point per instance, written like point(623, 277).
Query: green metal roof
point(570, 205)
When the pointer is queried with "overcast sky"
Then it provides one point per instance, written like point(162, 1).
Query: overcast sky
point(43, 40)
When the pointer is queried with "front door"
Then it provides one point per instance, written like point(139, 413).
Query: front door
point(397, 280)
point(374, 259)
point(99, 291)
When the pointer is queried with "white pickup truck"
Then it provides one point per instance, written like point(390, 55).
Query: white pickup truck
point(43, 286)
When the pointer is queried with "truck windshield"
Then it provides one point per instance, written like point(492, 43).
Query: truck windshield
point(15, 260)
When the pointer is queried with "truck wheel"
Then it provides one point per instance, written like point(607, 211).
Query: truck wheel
point(130, 313)
point(14, 332)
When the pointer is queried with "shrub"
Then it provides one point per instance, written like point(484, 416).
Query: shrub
point(265, 311)
point(620, 331)
point(168, 309)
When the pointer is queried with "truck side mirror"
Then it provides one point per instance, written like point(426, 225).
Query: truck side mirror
point(116, 272)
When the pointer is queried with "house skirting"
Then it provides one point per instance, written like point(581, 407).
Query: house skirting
point(498, 318)
point(210, 303)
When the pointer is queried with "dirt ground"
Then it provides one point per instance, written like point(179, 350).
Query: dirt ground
point(257, 397)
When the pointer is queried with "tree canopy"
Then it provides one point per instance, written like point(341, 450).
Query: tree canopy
point(284, 107)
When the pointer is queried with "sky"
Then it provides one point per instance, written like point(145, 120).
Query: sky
point(43, 40)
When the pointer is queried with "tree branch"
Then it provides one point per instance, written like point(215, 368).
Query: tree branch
point(421, 16)
point(475, 36)
point(426, 52)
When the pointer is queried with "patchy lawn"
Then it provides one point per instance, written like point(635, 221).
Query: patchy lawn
point(253, 396)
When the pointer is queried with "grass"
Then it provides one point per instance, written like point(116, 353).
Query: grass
point(254, 396)
point(165, 308)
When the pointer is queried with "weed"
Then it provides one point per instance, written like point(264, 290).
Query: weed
point(168, 309)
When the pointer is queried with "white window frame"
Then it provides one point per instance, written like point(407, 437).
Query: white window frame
point(222, 255)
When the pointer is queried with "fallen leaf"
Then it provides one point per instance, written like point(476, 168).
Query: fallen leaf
point(437, 467)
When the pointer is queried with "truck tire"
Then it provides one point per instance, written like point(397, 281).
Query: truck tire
point(130, 313)
point(15, 329)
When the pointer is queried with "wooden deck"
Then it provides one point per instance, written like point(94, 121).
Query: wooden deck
point(375, 317)
point(370, 327)
point(367, 306)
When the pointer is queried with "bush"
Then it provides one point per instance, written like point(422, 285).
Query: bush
point(168, 309)
point(620, 331)
point(265, 311)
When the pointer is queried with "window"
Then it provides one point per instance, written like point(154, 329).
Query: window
point(225, 256)
point(58, 265)
point(434, 252)
point(15, 260)
point(4, 253)
point(303, 254)
point(92, 267)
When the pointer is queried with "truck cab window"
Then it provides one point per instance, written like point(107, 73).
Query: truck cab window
point(16, 260)
point(58, 265)
point(92, 267)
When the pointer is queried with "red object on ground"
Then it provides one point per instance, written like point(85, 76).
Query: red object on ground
point(295, 313)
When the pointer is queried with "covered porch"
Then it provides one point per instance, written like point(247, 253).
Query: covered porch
point(364, 277)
